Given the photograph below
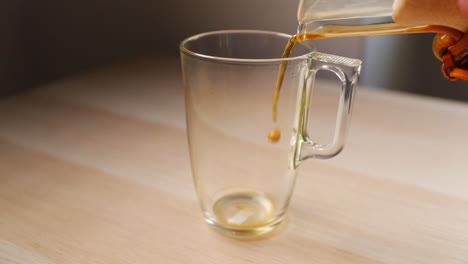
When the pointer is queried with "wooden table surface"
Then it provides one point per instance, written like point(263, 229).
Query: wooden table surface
point(95, 169)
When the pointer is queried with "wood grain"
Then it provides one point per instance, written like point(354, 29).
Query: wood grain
point(11, 253)
point(95, 169)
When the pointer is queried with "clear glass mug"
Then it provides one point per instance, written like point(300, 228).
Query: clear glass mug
point(243, 180)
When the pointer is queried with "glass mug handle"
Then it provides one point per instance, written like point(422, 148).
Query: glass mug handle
point(347, 70)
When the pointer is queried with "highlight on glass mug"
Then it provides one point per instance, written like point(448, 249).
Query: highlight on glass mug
point(244, 179)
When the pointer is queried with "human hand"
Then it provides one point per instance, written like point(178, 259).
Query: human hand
point(463, 6)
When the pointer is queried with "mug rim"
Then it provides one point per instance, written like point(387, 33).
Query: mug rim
point(185, 50)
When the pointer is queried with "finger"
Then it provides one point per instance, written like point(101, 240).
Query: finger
point(463, 6)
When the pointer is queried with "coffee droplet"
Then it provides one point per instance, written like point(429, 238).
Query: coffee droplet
point(274, 135)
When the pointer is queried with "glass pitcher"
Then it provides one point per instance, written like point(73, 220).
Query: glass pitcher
point(340, 18)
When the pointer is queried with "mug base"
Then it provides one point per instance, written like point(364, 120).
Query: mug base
point(247, 234)
point(244, 214)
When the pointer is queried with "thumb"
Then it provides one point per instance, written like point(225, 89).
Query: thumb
point(463, 6)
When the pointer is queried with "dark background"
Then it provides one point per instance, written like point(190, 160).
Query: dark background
point(46, 40)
